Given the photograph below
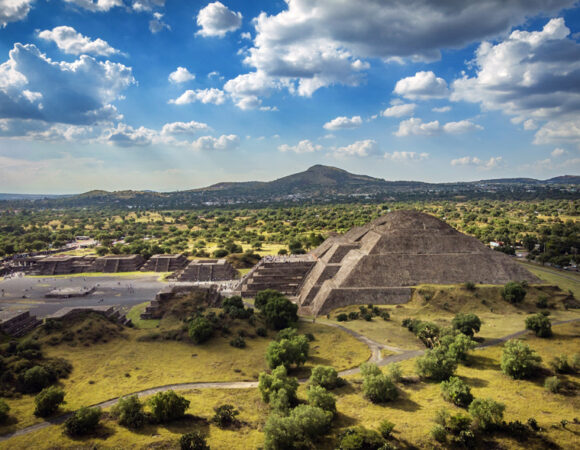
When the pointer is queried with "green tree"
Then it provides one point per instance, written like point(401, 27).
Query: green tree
point(48, 401)
point(518, 360)
point(436, 364)
point(468, 324)
point(379, 388)
point(270, 386)
point(540, 325)
point(513, 292)
point(456, 391)
point(486, 412)
point(360, 438)
point(129, 412)
point(225, 416)
point(287, 352)
point(263, 297)
point(168, 406)
point(83, 421)
point(35, 379)
point(193, 441)
point(321, 398)
point(200, 330)
point(325, 376)
point(279, 313)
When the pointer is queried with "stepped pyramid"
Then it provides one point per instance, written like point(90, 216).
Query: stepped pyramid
point(379, 262)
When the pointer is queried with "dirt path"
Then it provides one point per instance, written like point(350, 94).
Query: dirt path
point(375, 348)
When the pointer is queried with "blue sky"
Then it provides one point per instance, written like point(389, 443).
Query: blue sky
point(170, 95)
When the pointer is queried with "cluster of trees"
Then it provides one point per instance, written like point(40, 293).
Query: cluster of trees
point(365, 312)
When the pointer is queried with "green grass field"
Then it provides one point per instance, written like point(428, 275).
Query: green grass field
point(567, 281)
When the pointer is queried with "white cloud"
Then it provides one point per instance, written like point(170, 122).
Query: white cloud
point(463, 126)
point(533, 76)
point(415, 126)
point(13, 10)
point(86, 87)
point(422, 86)
point(212, 95)
point(317, 43)
point(210, 143)
point(157, 24)
point(72, 42)
point(400, 110)
point(304, 146)
point(183, 128)
point(442, 109)
point(557, 152)
point(96, 5)
point(147, 5)
point(406, 156)
point(367, 147)
point(342, 123)
point(491, 163)
point(247, 36)
point(181, 75)
point(247, 89)
point(127, 136)
point(217, 20)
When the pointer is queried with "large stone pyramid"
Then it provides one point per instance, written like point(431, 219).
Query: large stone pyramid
point(379, 262)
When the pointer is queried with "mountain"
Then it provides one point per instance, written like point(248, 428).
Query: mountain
point(317, 184)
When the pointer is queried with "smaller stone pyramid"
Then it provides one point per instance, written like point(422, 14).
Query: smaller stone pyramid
point(379, 262)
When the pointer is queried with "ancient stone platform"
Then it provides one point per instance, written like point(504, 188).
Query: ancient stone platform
point(165, 263)
point(17, 323)
point(379, 262)
point(118, 263)
point(64, 265)
point(208, 270)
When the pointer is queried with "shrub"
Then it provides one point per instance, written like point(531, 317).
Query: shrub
point(486, 412)
point(288, 352)
point(436, 364)
point(129, 412)
point(386, 428)
point(457, 346)
point(439, 433)
point(83, 421)
point(379, 388)
point(368, 317)
point(325, 376)
point(513, 292)
point(353, 315)
point(35, 379)
point(428, 332)
point(360, 438)
point(395, 372)
point(468, 324)
point(553, 384)
point(262, 332)
point(518, 360)
point(304, 425)
point(368, 369)
point(225, 416)
point(456, 391)
point(279, 313)
point(342, 317)
point(385, 315)
point(238, 342)
point(193, 441)
point(263, 297)
point(286, 333)
point(269, 385)
point(321, 398)
point(200, 330)
point(4, 410)
point(540, 325)
point(220, 253)
point(48, 401)
point(469, 285)
point(168, 406)
point(542, 302)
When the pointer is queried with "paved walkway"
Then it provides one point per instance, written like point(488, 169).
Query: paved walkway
point(375, 348)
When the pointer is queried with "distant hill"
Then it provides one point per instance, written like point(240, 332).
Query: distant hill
point(317, 184)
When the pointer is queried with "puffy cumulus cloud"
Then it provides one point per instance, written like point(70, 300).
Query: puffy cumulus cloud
point(416, 127)
point(246, 89)
point(209, 143)
point(13, 10)
point(422, 86)
point(72, 42)
point(127, 136)
point(367, 147)
point(39, 130)
point(305, 146)
point(342, 123)
point(32, 86)
point(183, 128)
point(406, 156)
point(557, 152)
point(474, 161)
point(213, 95)
point(217, 20)
point(181, 75)
point(147, 5)
point(96, 5)
point(400, 110)
point(157, 24)
point(318, 43)
point(442, 109)
point(463, 126)
point(533, 76)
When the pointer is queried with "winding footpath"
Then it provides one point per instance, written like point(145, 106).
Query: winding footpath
point(376, 357)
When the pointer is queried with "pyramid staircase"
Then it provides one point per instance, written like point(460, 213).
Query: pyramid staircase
point(283, 276)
